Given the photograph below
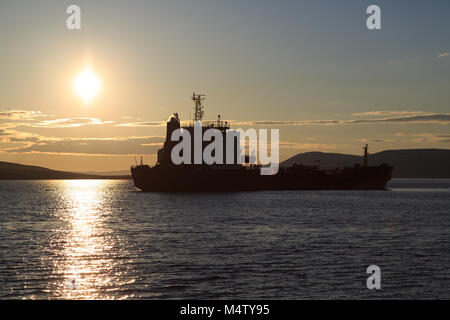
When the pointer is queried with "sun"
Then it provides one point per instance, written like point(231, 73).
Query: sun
point(87, 85)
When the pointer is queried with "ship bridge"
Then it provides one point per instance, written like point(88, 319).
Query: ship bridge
point(173, 123)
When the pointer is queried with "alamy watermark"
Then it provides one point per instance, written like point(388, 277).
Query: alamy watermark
point(73, 22)
point(374, 280)
point(373, 22)
point(213, 152)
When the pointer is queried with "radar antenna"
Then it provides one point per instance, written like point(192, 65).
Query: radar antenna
point(198, 107)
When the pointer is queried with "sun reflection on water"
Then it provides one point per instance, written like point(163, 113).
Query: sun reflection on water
point(88, 257)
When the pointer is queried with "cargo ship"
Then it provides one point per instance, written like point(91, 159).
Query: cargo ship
point(166, 176)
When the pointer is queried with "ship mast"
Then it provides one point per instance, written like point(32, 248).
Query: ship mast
point(366, 147)
point(198, 107)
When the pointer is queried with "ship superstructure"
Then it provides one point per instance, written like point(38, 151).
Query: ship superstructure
point(174, 123)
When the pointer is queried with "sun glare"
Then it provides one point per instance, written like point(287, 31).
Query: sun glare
point(87, 85)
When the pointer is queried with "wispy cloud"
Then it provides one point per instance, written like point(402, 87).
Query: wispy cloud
point(431, 137)
point(69, 123)
point(20, 114)
point(443, 54)
point(384, 113)
point(436, 118)
point(374, 140)
point(13, 136)
point(287, 123)
point(142, 124)
point(306, 146)
point(426, 118)
point(86, 146)
point(425, 137)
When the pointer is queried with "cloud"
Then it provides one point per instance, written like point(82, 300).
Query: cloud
point(444, 54)
point(436, 118)
point(20, 115)
point(287, 123)
point(306, 146)
point(402, 134)
point(426, 118)
point(374, 140)
point(390, 113)
point(69, 123)
point(142, 124)
point(425, 137)
point(86, 146)
point(431, 137)
point(14, 136)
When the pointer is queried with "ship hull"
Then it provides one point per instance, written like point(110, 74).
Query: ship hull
point(209, 179)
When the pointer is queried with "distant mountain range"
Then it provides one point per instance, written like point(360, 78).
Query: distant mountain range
point(14, 171)
point(412, 163)
point(408, 163)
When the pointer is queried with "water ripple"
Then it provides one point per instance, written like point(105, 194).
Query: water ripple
point(101, 239)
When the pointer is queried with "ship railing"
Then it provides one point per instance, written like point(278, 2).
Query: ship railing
point(213, 124)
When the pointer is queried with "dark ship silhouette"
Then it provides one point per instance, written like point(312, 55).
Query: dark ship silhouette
point(166, 176)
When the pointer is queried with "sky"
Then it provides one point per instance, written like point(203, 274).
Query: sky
point(312, 69)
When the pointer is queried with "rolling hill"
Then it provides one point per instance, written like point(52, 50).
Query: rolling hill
point(14, 171)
